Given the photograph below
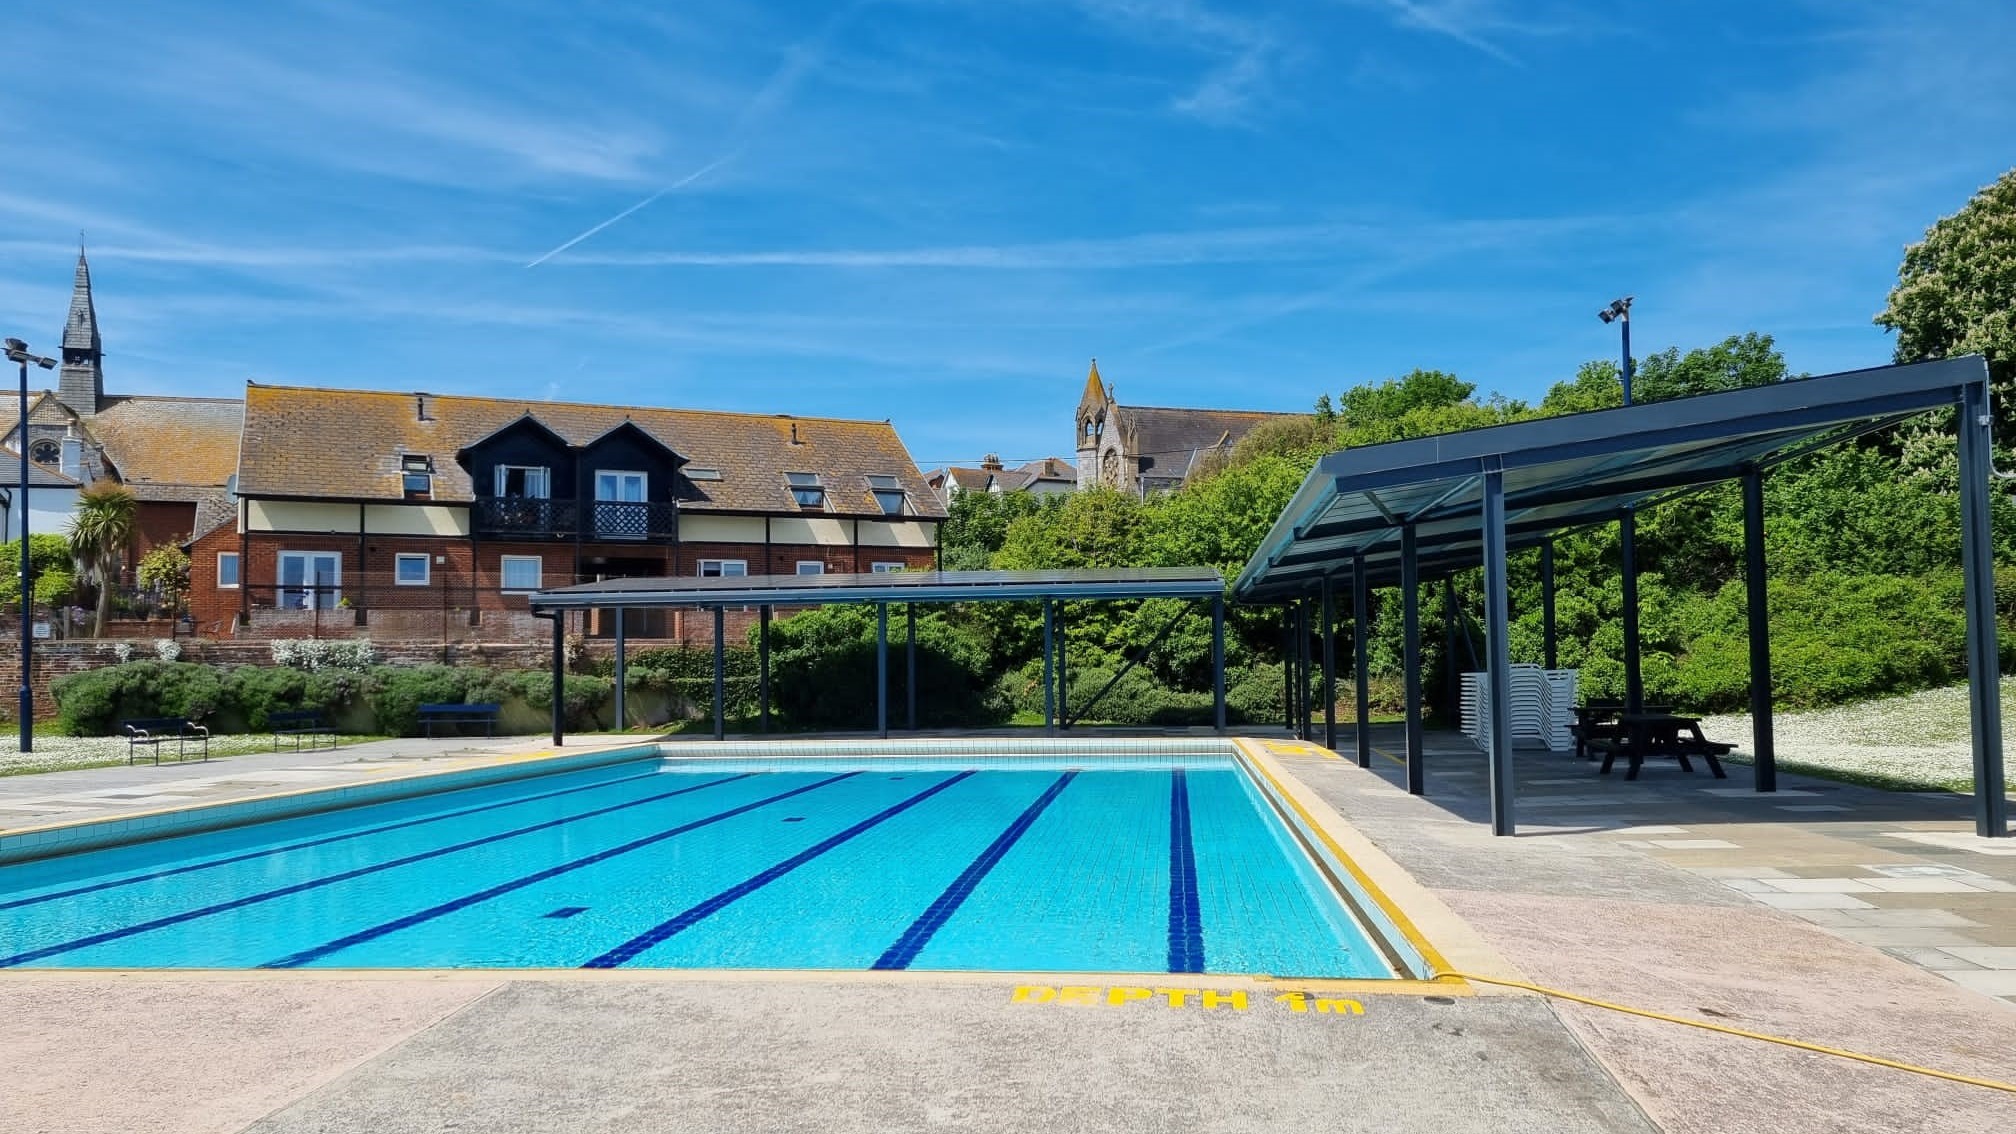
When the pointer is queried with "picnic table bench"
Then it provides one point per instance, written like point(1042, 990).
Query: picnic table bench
point(300, 724)
point(1653, 735)
point(152, 732)
point(460, 715)
point(1600, 720)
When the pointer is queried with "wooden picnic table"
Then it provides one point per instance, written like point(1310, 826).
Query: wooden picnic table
point(1649, 735)
point(1602, 720)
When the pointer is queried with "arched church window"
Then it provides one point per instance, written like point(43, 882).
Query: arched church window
point(45, 453)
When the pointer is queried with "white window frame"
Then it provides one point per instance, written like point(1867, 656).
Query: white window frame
point(885, 568)
point(622, 475)
point(280, 573)
point(545, 481)
point(818, 567)
point(237, 568)
point(426, 569)
point(721, 568)
point(503, 571)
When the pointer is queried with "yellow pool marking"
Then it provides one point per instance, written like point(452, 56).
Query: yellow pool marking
point(1429, 954)
point(1180, 998)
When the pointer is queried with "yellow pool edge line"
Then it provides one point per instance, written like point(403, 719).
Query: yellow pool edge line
point(1253, 982)
point(460, 764)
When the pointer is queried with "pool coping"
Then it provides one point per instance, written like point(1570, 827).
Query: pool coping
point(1402, 905)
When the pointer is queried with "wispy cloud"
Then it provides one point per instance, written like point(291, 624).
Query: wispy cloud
point(1477, 24)
point(1245, 52)
point(682, 183)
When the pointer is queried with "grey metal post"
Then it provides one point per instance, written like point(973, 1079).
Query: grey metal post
point(1452, 698)
point(1410, 657)
point(27, 706)
point(1288, 667)
point(1498, 644)
point(763, 665)
point(1634, 679)
point(559, 673)
point(1218, 661)
point(720, 674)
point(1302, 668)
point(1552, 654)
point(1977, 552)
point(1361, 599)
point(1329, 665)
point(1763, 745)
point(622, 713)
point(882, 668)
point(1063, 675)
point(910, 663)
point(1049, 665)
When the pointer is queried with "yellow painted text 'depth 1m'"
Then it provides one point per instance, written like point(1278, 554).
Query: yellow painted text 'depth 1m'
point(1201, 999)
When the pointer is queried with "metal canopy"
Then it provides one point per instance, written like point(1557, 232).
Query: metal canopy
point(892, 586)
point(1569, 472)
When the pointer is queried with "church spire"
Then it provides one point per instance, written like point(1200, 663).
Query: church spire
point(1095, 387)
point(82, 383)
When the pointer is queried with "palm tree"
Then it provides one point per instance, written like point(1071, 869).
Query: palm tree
point(101, 531)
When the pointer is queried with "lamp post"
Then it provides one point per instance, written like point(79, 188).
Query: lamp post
point(1619, 312)
point(17, 351)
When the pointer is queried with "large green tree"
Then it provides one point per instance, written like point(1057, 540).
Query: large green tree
point(1956, 292)
point(101, 532)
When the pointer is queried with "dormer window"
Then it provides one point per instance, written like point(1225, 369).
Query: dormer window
point(523, 482)
point(888, 493)
point(806, 489)
point(416, 476)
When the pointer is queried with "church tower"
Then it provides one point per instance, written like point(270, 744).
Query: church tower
point(1093, 414)
point(81, 384)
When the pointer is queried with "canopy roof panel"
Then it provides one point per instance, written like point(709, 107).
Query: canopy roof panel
point(1568, 472)
point(892, 586)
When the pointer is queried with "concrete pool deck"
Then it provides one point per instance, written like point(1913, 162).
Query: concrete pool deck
point(1587, 900)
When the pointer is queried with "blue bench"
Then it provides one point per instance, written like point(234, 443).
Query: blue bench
point(300, 724)
point(456, 716)
point(152, 732)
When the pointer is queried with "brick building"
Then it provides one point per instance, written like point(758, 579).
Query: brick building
point(416, 515)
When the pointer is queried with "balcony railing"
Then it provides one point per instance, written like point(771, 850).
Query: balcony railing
point(521, 518)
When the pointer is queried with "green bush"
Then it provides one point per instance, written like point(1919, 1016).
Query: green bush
point(686, 673)
point(93, 703)
point(584, 695)
point(823, 671)
point(253, 691)
point(395, 693)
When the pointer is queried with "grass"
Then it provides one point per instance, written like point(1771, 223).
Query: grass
point(1916, 742)
point(55, 753)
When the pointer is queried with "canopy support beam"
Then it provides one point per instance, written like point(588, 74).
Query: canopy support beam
point(763, 664)
point(1329, 664)
point(1977, 552)
point(622, 708)
point(1549, 646)
point(720, 674)
point(882, 669)
point(1361, 599)
point(1218, 661)
point(1498, 650)
point(1763, 746)
point(1634, 678)
point(1410, 657)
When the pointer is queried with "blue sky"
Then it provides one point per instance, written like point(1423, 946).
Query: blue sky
point(936, 211)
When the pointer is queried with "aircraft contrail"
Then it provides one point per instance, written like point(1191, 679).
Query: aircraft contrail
point(689, 179)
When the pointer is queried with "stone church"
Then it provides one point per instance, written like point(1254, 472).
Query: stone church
point(175, 454)
point(1145, 449)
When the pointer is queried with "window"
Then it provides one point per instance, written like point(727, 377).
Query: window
point(310, 580)
point(412, 570)
point(416, 475)
point(724, 568)
point(806, 489)
point(46, 453)
point(888, 493)
point(523, 482)
point(811, 567)
point(886, 568)
point(227, 570)
point(693, 473)
point(521, 572)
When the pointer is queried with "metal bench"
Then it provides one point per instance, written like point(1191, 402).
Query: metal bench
point(152, 732)
point(460, 715)
point(300, 724)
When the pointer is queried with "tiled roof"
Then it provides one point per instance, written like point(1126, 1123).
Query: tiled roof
point(1050, 468)
point(213, 512)
point(169, 448)
point(346, 444)
point(39, 476)
point(1174, 436)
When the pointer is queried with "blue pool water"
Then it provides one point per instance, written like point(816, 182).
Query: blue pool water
point(1120, 865)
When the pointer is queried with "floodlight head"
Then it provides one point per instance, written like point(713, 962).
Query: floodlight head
point(17, 351)
point(1618, 309)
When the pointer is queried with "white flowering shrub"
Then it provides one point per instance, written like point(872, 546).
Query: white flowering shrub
point(314, 654)
point(167, 649)
point(123, 651)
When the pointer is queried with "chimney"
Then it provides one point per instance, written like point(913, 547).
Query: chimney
point(420, 407)
point(794, 434)
point(991, 462)
point(72, 463)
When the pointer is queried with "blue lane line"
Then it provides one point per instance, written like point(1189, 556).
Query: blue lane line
point(329, 880)
point(305, 844)
point(1186, 923)
point(919, 934)
point(305, 956)
point(691, 917)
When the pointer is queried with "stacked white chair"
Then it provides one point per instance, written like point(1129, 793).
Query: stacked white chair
point(1542, 707)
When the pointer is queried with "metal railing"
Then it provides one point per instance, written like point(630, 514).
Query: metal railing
point(522, 518)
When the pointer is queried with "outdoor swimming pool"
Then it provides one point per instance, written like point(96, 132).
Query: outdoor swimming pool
point(1106, 864)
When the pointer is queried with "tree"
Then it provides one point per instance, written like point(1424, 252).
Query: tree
point(49, 571)
point(165, 571)
point(100, 533)
point(977, 523)
point(1956, 292)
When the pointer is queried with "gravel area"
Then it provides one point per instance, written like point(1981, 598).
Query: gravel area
point(1919, 738)
point(63, 753)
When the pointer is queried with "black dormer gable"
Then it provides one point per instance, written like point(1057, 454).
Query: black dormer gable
point(525, 443)
point(631, 448)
